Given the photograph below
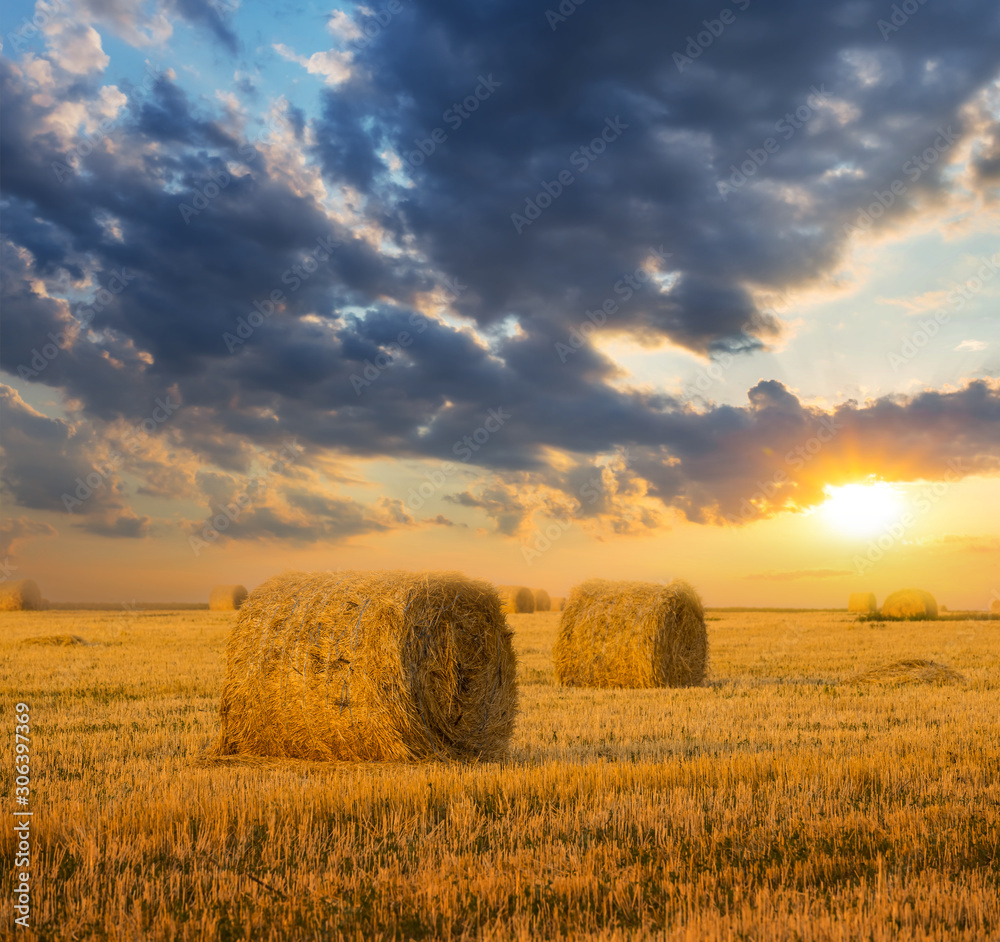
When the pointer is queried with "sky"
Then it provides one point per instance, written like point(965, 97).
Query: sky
point(534, 292)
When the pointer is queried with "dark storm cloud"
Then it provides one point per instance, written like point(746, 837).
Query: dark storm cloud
point(328, 365)
point(656, 183)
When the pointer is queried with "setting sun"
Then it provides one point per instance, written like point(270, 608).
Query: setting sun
point(862, 509)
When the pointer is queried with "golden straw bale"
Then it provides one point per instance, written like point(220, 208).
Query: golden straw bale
point(370, 666)
point(227, 598)
point(631, 634)
point(516, 599)
point(20, 595)
point(542, 601)
point(862, 602)
point(910, 604)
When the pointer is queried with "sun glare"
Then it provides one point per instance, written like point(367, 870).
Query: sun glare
point(862, 509)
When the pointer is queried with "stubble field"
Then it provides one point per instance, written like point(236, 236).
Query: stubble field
point(777, 802)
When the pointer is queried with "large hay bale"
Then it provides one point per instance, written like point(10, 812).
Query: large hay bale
point(912, 671)
point(631, 634)
point(20, 595)
point(862, 602)
point(910, 604)
point(516, 599)
point(227, 598)
point(542, 601)
point(369, 665)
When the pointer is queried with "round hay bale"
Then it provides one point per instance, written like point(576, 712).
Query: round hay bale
point(995, 607)
point(910, 604)
point(20, 595)
point(542, 601)
point(912, 671)
point(862, 602)
point(558, 603)
point(370, 666)
point(631, 634)
point(227, 598)
point(516, 599)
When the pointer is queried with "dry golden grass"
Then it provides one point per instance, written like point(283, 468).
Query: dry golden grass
point(772, 803)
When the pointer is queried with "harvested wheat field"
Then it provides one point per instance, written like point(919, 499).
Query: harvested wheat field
point(773, 802)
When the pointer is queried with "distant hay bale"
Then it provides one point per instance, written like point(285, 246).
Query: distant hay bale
point(227, 598)
point(914, 671)
point(910, 604)
point(371, 666)
point(516, 599)
point(21, 595)
point(542, 601)
point(558, 603)
point(631, 634)
point(995, 607)
point(862, 602)
point(56, 640)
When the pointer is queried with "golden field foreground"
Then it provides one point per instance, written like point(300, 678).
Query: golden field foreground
point(776, 802)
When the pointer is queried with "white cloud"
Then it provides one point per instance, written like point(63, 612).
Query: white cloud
point(974, 345)
point(343, 26)
point(335, 67)
point(75, 47)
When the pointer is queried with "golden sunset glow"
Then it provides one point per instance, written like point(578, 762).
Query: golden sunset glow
point(862, 509)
